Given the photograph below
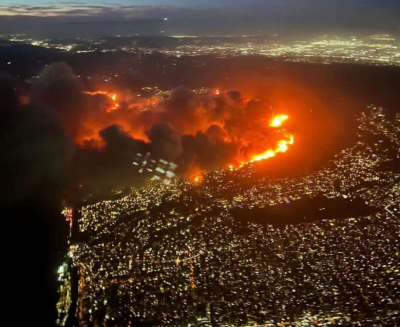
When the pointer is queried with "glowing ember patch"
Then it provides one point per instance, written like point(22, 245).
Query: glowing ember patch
point(111, 96)
point(198, 179)
point(278, 120)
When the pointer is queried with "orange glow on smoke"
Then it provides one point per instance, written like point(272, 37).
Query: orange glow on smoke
point(281, 147)
point(278, 120)
point(137, 116)
point(111, 96)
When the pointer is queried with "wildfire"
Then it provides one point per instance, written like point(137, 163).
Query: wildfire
point(111, 96)
point(278, 120)
point(283, 146)
point(251, 140)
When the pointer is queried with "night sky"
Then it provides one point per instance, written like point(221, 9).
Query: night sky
point(201, 17)
point(142, 7)
point(147, 3)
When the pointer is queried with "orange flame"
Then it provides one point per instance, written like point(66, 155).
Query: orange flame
point(278, 120)
point(111, 96)
point(282, 146)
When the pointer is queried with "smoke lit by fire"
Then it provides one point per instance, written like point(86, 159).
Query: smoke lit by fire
point(112, 96)
point(203, 131)
point(199, 131)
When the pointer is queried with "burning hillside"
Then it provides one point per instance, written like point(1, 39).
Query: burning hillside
point(199, 131)
point(114, 105)
point(225, 119)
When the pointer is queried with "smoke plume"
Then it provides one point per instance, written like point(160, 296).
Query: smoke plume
point(198, 132)
point(35, 151)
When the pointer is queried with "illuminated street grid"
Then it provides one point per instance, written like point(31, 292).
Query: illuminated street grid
point(379, 49)
point(170, 255)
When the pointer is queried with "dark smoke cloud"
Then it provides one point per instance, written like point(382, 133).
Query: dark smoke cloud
point(165, 142)
point(186, 110)
point(110, 165)
point(35, 158)
point(60, 89)
point(216, 133)
point(202, 152)
point(35, 151)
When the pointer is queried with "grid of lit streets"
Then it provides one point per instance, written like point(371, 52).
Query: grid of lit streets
point(377, 49)
point(174, 255)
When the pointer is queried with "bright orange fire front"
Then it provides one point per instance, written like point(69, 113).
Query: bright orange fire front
point(282, 146)
point(111, 96)
point(278, 120)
